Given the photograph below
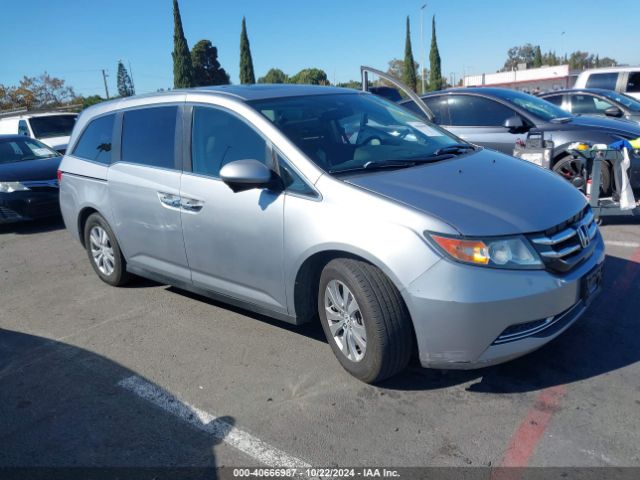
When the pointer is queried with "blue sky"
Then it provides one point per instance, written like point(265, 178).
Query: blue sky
point(75, 39)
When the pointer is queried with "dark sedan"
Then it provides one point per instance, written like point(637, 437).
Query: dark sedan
point(497, 117)
point(596, 102)
point(28, 179)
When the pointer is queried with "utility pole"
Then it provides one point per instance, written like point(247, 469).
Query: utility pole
point(424, 58)
point(104, 77)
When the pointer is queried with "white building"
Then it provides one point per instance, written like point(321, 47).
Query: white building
point(529, 80)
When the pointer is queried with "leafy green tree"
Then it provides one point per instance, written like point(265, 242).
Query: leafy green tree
point(246, 62)
point(355, 84)
point(532, 56)
point(408, 72)
point(206, 68)
point(91, 100)
point(274, 75)
point(182, 66)
point(537, 57)
point(517, 55)
point(435, 73)
point(125, 84)
point(43, 91)
point(310, 76)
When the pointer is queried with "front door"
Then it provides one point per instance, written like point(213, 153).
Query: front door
point(234, 241)
point(481, 121)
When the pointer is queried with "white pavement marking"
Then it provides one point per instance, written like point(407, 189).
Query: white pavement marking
point(218, 428)
point(615, 243)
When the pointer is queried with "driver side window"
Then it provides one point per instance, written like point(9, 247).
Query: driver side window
point(219, 137)
point(472, 111)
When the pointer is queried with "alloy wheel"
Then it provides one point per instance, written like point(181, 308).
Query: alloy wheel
point(345, 320)
point(102, 250)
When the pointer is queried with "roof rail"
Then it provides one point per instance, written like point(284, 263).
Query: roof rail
point(21, 111)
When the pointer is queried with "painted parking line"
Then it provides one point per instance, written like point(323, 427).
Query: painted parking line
point(218, 428)
point(616, 243)
point(530, 432)
point(525, 440)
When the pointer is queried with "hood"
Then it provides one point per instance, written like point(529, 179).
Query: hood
point(484, 193)
point(30, 170)
point(621, 126)
point(635, 117)
point(57, 143)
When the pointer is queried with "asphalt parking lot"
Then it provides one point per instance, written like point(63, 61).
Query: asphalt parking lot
point(149, 375)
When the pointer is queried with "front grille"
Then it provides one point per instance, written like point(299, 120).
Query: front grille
point(565, 246)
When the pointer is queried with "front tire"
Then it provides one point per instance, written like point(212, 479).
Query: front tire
point(104, 252)
point(364, 319)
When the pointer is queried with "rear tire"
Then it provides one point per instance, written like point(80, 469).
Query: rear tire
point(364, 319)
point(104, 252)
point(566, 167)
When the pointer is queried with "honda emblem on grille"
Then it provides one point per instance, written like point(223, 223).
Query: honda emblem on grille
point(583, 235)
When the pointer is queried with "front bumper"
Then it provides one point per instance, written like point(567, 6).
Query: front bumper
point(459, 311)
point(28, 205)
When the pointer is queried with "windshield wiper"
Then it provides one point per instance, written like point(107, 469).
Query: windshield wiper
point(560, 120)
point(455, 148)
point(381, 164)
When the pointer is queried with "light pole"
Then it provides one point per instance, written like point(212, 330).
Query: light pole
point(424, 59)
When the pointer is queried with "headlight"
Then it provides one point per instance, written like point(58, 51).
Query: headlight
point(502, 252)
point(9, 187)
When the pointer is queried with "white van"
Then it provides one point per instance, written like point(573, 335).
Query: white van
point(621, 79)
point(51, 128)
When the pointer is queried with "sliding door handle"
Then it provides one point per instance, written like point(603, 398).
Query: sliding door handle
point(169, 199)
point(191, 204)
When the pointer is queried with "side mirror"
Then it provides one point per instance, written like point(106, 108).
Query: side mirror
point(244, 175)
point(514, 123)
point(613, 112)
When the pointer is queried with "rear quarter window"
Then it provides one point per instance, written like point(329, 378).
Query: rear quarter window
point(96, 140)
point(633, 83)
point(606, 81)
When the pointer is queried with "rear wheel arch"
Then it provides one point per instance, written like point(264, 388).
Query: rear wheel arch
point(84, 214)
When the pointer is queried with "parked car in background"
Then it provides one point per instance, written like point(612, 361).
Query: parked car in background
point(51, 128)
point(28, 179)
point(496, 117)
point(621, 79)
point(395, 235)
point(596, 102)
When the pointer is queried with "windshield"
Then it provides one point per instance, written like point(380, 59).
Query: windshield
point(341, 132)
point(52, 125)
point(629, 102)
point(542, 109)
point(22, 149)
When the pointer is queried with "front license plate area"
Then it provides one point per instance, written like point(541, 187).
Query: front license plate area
point(591, 284)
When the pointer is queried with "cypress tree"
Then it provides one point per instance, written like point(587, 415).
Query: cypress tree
point(409, 67)
point(246, 63)
point(435, 75)
point(537, 57)
point(182, 66)
point(125, 85)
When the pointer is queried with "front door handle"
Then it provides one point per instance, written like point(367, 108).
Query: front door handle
point(191, 204)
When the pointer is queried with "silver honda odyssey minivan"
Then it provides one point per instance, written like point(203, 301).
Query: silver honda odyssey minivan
point(307, 203)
